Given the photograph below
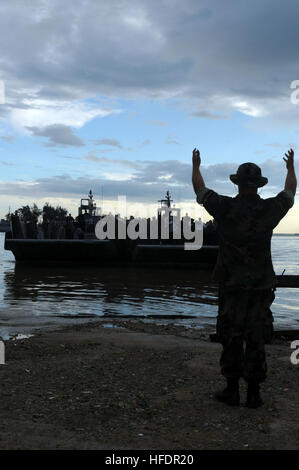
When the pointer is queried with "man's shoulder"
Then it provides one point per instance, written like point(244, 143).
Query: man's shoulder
point(284, 200)
point(214, 203)
point(207, 193)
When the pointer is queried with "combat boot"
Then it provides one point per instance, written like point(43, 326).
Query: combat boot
point(254, 399)
point(230, 395)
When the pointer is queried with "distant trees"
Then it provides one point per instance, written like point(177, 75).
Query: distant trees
point(48, 213)
point(29, 214)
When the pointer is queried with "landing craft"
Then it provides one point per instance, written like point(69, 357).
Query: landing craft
point(74, 241)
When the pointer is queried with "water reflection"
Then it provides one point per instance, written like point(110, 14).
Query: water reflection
point(110, 291)
point(36, 297)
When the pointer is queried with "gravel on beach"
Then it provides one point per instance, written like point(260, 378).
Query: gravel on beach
point(132, 384)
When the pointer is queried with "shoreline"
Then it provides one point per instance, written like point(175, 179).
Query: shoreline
point(137, 385)
point(188, 323)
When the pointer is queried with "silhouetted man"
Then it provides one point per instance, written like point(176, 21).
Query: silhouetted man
point(245, 272)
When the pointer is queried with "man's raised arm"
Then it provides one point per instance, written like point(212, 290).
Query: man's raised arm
point(197, 179)
point(291, 180)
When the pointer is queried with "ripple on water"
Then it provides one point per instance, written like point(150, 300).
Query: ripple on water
point(42, 297)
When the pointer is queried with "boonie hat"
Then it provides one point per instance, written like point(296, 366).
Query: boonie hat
point(249, 174)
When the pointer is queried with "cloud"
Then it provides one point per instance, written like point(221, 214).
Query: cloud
point(172, 142)
point(58, 135)
point(8, 138)
point(114, 161)
point(284, 147)
point(249, 109)
point(31, 111)
point(69, 157)
point(159, 52)
point(109, 142)
point(147, 181)
point(207, 115)
point(172, 139)
point(6, 163)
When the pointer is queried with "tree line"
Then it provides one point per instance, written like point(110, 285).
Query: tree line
point(33, 213)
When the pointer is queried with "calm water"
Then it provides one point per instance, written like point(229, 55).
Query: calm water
point(35, 297)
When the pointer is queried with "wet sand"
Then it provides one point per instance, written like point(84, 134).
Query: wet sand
point(137, 385)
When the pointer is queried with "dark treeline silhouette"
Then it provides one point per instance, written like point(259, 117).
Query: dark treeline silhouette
point(56, 223)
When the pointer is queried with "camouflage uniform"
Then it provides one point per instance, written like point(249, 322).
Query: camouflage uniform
point(246, 277)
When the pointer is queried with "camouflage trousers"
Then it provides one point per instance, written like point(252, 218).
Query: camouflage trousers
point(244, 326)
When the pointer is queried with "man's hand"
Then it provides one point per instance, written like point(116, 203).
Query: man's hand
point(289, 159)
point(196, 158)
point(197, 179)
point(291, 181)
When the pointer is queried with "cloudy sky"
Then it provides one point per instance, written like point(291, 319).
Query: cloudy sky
point(114, 95)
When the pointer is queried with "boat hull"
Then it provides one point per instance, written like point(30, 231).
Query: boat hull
point(113, 252)
point(174, 255)
point(62, 251)
point(107, 252)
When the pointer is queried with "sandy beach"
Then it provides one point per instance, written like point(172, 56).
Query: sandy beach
point(137, 385)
